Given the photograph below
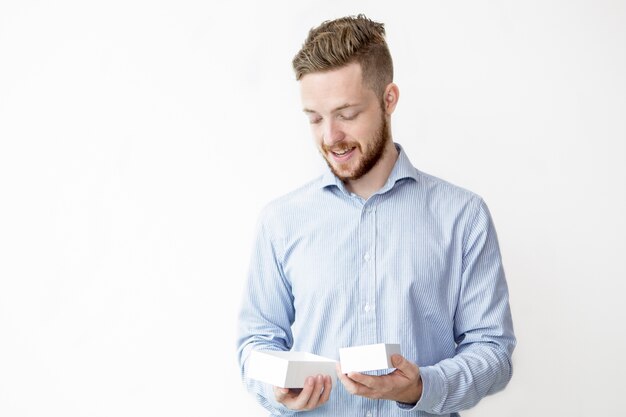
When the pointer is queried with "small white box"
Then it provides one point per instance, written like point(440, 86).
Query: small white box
point(367, 357)
point(288, 369)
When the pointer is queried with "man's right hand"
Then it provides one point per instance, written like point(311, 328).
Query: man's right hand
point(316, 392)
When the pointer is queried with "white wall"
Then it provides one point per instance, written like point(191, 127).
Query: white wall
point(139, 139)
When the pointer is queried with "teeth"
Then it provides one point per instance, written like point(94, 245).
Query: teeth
point(343, 152)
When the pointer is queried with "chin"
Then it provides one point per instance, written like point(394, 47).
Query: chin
point(346, 175)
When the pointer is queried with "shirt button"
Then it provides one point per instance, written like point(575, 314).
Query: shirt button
point(369, 307)
point(368, 414)
point(366, 256)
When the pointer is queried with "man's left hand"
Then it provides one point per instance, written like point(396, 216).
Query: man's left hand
point(402, 385)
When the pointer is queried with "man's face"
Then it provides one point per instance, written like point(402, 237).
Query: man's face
point(348, 123)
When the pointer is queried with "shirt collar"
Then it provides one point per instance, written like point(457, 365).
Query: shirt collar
point(401, 170)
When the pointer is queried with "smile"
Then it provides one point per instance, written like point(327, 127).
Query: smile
point(343, 154)
point(345, 151)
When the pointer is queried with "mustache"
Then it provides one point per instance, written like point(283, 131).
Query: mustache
point(340, 147)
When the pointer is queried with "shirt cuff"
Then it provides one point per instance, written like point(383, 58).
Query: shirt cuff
point(433, 391)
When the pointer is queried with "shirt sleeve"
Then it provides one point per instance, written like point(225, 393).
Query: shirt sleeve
point(483, 328)
point(266, 315)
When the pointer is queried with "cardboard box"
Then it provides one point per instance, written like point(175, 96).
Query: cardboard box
point(367, 357)
point(288, 369)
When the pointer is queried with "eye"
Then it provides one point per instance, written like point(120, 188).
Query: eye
point(314, 119)
point(348, 116)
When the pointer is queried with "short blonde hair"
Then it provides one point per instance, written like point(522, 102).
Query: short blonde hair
point(339, 42)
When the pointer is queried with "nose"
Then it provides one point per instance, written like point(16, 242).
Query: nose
point(332, 133)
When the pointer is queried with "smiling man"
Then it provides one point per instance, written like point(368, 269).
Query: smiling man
point(374, 251)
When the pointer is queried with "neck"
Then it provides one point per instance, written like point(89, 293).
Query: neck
point(374, 180)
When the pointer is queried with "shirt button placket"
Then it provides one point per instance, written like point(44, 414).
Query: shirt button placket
point(368, 248)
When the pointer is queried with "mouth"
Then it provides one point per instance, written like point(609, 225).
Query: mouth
point(342, 155)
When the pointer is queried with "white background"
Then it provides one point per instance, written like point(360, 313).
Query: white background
point(140, 139)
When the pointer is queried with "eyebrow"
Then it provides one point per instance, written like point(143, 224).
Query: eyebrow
point(335, 110)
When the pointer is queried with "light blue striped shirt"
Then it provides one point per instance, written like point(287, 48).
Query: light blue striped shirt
point(417, 263)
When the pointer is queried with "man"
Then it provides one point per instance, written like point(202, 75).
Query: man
point(374, 251)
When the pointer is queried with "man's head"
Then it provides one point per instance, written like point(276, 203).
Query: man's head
point(337, 43)
point(345, 75)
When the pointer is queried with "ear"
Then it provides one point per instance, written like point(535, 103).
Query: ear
point(390, 98)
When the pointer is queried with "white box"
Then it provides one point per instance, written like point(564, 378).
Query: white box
point(367, 357)
point(288, 369)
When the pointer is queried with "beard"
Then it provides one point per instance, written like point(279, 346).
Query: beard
point(369, 156)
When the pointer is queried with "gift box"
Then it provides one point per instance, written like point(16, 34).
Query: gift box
point(288, 369)
point(367, 357)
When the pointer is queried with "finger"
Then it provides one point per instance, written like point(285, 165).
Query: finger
point(302, 399)
point(338, 368)
point(342, 377)
point(365, 380)
point(328, 386)
point(316, 393)
point(345, 381)
point(280, 393)
point(352, 386)
point(375, 387)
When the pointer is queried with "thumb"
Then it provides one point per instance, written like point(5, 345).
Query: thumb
point(397, 361)
point(404, 366)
